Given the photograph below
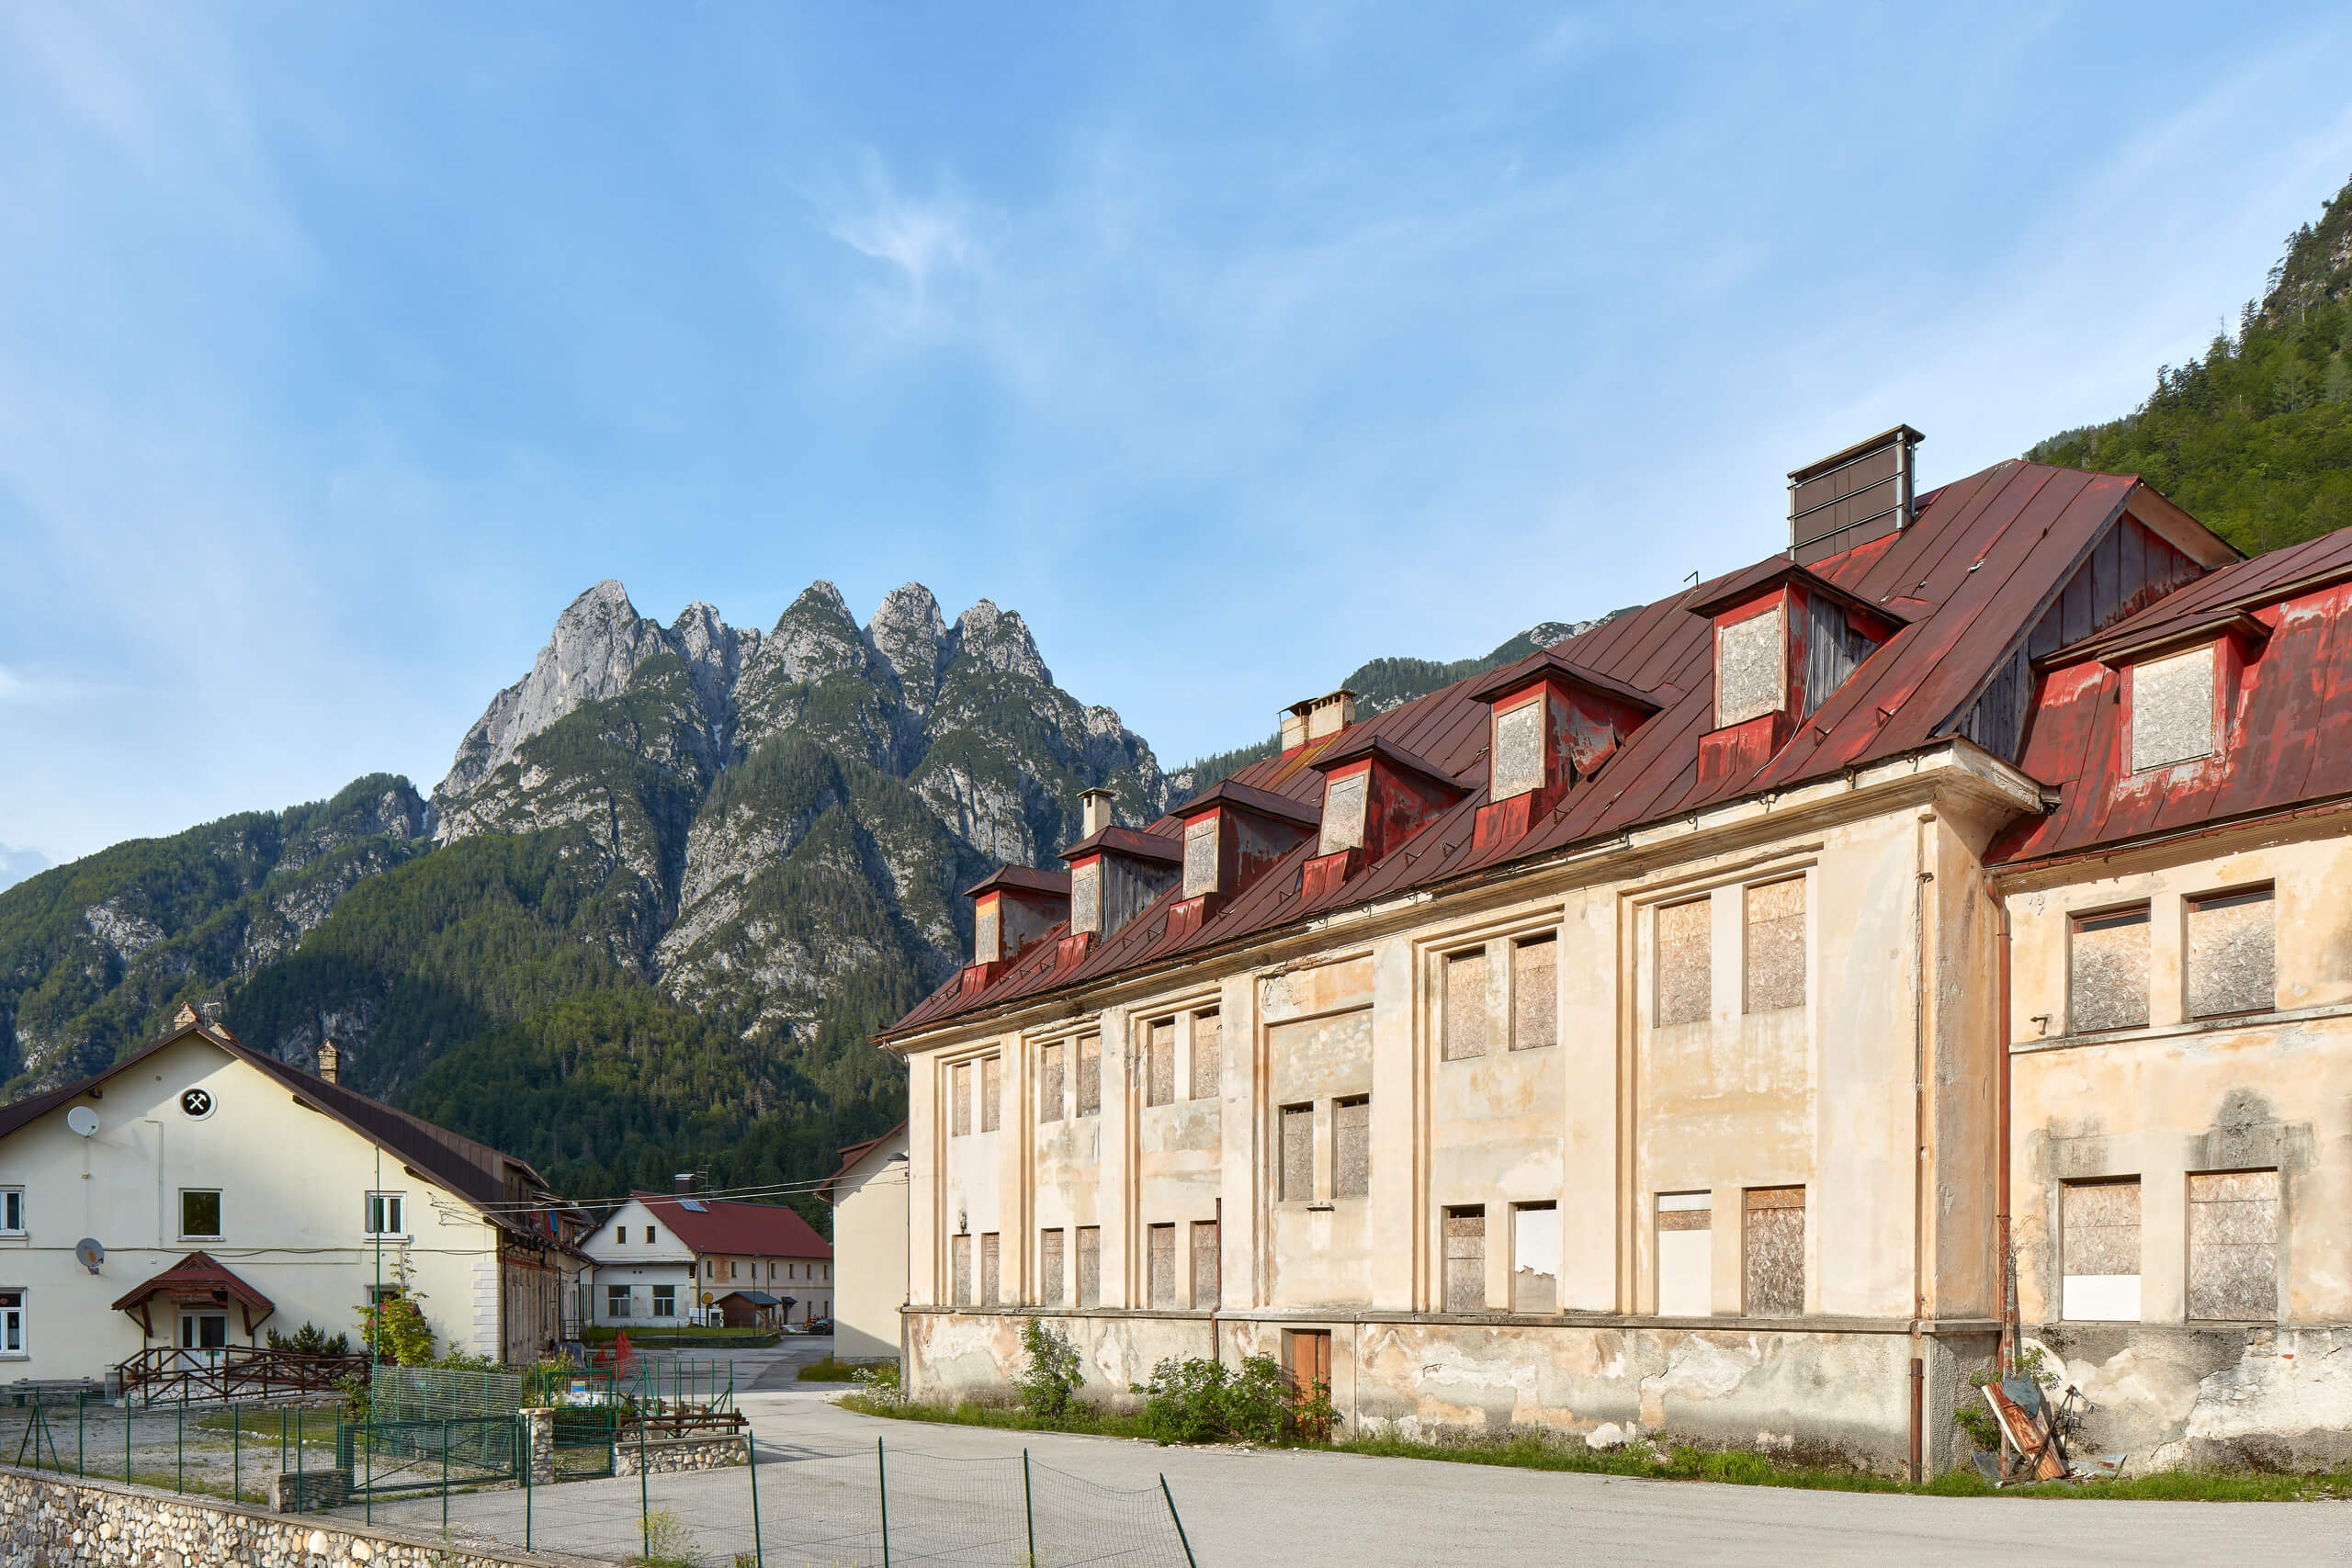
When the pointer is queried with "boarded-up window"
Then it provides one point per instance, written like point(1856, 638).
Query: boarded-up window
point(1086, 896)
point(988, 1269)
point(2172, 709)
point(2232, 954)
point(1685, 1255)
point(1050, 1291)
point(2100, 1248)
point(1049, 1083)
point(1200, 856)
point(991, 1085)
point(1208, 1037)
point(1775, 1252)
point(1535, 1257)
point(1534, 993)
point(959, 1270)
point(1207, 1270)
point(1344, 814)
point(1685, 977)
point(1090, 1266)
point(1090, 1075)
point(959, 1096)
point(1351, 1148)
point(1519, 751)
point(1159, 1064)
point(1466, 1005)
point(1160, 1254)
point(984, 930)
point(2107, 974)
point(1773, 972)
point(1466, 1260)
point(2233, 1244)
point(1751, 677)
point(1298, 1153)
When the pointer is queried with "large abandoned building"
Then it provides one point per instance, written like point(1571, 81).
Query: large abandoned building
point(1722, 1022)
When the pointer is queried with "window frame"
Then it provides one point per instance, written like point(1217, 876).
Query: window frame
point(625, 1296)
point(658, 1292)
point(13, 1196)
point(2191, 905)
point(2111, 916)
point(219, 1214)
point(370, 1212)
point(21, 1310)
point(2216, 721)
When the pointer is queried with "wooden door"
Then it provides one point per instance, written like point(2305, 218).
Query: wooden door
point(1307, 1363)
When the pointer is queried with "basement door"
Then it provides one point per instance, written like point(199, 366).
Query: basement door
point(1306, 1359)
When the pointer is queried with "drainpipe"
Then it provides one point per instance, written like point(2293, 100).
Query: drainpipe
point(2008, 1279)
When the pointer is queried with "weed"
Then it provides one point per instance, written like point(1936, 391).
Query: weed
point(1050, 1379)
point(668, 1543)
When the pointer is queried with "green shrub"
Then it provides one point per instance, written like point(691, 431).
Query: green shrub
point(1049, 1382)
point(310, 1341)
point(668, 1543)
point(1201, 1401)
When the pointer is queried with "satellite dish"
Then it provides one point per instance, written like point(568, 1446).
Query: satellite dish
point(83, 1120)
point(89, 1254)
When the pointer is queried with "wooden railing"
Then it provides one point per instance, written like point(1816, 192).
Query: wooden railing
point(162, 1374)
point(682, 1421)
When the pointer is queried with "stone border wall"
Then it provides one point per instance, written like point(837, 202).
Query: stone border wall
point(663, 1455)
point(47, 1518)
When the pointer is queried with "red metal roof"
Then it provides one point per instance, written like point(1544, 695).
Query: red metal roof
point(728, 1225)
point(198, 1279)
point(1984, 559)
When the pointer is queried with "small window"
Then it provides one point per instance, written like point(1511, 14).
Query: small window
point(665, 1301)
point(1086, 898)
point(1200, 856)
point(1162, 1257)
point(2172, 709)
point(985, 923)
point(959, 1099)
point(959, 1269)
point(1090, 1075)
point(1206, 1270)
point(992, 1085)
point(1466, 1005)
point(1351, 1148)
point(2233, 1246)
point(2232, 954)
point(12, 1211)
point(1159, 1064)
point(2107, 984)
point(1774, 1245)
point(1534, 993)
point(989, 1279)
point(1466, 1259)
point(1535, 1257)
point(1049, 1267)
point(1090, 1266)
point(384, 1214)
point(649, 1233)
point(1751, 677)
point(1207, 1039)
point(1298, 1153)
point(1772, 976)
point(200, 1213)
point(1343, 800)
point(12, 1323)
point(1519, 750)
point(1682, 992)
point(2100, 1248)
point(1686, 1260)
point(1049, 1083)
point(616, 1301)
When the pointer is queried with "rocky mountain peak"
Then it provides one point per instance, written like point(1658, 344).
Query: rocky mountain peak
point(1001, 639)
point(910, 635)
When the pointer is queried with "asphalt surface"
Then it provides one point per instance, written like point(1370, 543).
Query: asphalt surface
point(1243, 1507)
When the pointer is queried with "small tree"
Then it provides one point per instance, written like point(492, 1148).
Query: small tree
point(1049, 1382)
point(394, 1330)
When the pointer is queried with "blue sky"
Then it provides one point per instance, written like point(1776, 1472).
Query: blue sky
point(341, 346)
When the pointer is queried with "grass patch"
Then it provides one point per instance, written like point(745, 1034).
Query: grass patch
point(831, 1370)
point(653, 1338)
point(1669, 1460)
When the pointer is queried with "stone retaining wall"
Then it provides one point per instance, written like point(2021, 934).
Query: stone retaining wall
point(666, 1454)
point(46, 1521)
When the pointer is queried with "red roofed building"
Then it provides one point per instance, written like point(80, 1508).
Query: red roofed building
point(667, 1260)
point(1742, 1021)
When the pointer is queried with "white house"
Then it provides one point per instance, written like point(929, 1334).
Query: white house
point(198, 1195)
point(663, 1259)
point(869, 1198)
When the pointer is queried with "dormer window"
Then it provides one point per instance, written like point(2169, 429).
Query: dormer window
point(1012, 909)
point(1344, 804)
point(1233, 835)
point(2173, 709)
point(1376, 794)
point(1113, 873)
point(1552, 722)
point(1519, 748)
point(1751, 667)
point(988, 930)
point(1086, 896)
point(1200, 856)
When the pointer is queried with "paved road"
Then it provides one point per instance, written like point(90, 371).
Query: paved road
point(1245, 1508)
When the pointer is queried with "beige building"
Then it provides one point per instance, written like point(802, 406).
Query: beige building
point(229, 1194)
point(1711, 1023)
point(667, 1259)
point(869, 1198)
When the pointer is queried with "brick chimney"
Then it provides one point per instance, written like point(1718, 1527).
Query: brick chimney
point(330, 1062)
point(683, 1183)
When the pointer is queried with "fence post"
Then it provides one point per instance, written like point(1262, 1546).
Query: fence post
point(181, 1484)
point(752, 1463)
point(1182, 1540)
point(236, 1453)
point(444, 1478)
point(81, 1432)
point(530, 1463)
point(644, 1496)
point(1028, 1509)
point(882, 1489)
point(126, 1438)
